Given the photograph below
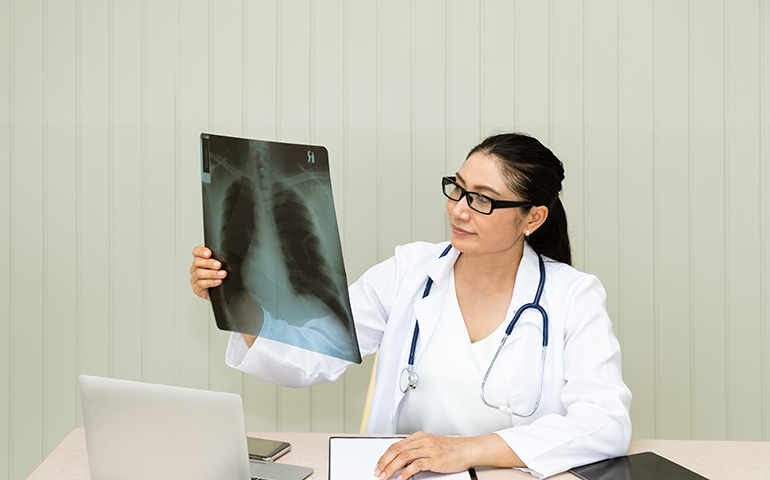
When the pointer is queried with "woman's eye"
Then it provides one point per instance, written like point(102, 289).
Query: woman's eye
point(484, 200)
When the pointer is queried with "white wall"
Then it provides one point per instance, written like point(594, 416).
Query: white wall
point(658, 109)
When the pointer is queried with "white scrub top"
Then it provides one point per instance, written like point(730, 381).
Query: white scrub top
point(446, 400)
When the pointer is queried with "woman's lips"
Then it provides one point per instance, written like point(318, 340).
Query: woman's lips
point(459, 231)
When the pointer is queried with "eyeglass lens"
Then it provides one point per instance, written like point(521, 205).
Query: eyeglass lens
point(477, 202)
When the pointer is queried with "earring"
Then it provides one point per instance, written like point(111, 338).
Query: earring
point(526, 234)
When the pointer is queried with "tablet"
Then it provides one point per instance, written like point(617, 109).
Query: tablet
point(639, 466)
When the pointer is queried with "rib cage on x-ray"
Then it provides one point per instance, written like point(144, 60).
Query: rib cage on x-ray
point(269, 217)
point(302, 251)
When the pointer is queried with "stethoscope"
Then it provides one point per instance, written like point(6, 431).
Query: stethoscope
point(409, 376)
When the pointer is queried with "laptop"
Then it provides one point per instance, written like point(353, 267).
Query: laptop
point(143, 430)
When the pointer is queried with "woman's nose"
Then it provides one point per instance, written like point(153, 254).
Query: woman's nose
point(460, 208)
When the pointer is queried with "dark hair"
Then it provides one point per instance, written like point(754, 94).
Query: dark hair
point(531, 170)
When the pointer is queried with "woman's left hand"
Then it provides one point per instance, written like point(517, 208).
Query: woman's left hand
point(425, 451)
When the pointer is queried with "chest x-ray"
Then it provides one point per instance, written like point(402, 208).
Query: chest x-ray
point(268, 216)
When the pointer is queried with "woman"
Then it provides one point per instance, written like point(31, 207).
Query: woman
point(505, 215)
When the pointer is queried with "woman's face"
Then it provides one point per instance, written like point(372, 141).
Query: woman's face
point(474, 232)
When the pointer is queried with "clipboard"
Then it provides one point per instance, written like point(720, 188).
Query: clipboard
point(354, 458)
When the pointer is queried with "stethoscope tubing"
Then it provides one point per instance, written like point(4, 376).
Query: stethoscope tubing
point(412, 378)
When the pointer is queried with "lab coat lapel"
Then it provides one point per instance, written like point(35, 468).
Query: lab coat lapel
point(428, 309)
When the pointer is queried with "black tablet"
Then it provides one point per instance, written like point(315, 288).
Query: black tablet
point(640, 466)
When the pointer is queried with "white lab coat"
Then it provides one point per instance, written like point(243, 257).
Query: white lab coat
point(584, 412)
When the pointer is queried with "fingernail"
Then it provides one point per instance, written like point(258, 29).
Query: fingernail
point(382, 476)
point(400, 477)
point(377, 472)
point(217, 264)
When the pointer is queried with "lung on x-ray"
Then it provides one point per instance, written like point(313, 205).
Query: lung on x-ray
point(268, 216)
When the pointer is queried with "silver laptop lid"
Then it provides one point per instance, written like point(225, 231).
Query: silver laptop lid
point(142, 430)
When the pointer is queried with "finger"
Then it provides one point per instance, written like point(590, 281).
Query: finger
point(201, 252)
point(201, 292)
point(413, 441)
point(404, 458)
point(205, 273)
point(387, 458)
point(413, 468)
point(205, 284)
point(208, 263)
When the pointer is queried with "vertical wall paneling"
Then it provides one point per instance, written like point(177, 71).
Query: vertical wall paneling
point(260, 89)
point(27, 214)
point(601, 182)
point(532, 81)
point(327, 407)
point(672, 239)
point(463, 86)
point(6, 82)
point(364, 160)
point(161, 340)
point(708, 218)
point(636, 299)
point(261, 57)
point(193, 107)
point(226, 89)
point(395, 136)
point(59, 416)
point(743, 214)
point(362, 154)
point(294, 81)
point(764, 122)
point(496, 69)
point(429, 153)
point(567, 114)
point(93, 195)
point(126, 212)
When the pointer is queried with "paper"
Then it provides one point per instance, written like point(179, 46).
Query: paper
point(354, 458)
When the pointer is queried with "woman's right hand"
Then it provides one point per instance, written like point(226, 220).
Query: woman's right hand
point(205, 272)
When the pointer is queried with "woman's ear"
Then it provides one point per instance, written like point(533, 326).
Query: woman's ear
point(535, 218)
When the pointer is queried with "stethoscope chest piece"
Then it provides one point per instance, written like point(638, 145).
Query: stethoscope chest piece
point(408, 380)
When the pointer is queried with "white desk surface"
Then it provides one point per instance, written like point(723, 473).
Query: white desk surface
point(712, 459)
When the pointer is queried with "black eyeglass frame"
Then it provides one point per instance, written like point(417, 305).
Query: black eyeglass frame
point(465, 193)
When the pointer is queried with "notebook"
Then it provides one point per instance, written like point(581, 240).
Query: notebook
point(354, 458)
point(143, 430)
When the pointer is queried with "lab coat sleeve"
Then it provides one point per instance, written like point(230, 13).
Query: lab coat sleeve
point(371, 298)
point(597, 424)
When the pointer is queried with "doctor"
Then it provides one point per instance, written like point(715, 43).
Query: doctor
point(505, 216)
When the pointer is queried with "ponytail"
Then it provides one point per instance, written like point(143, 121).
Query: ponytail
point(552, 239)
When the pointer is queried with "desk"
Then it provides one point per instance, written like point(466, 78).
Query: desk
point(712, 459)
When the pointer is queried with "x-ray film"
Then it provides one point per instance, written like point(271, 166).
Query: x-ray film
point(268, 216)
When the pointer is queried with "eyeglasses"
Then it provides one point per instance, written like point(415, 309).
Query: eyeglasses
point(476, 201)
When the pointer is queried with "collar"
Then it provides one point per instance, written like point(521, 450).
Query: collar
point(428, 310)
